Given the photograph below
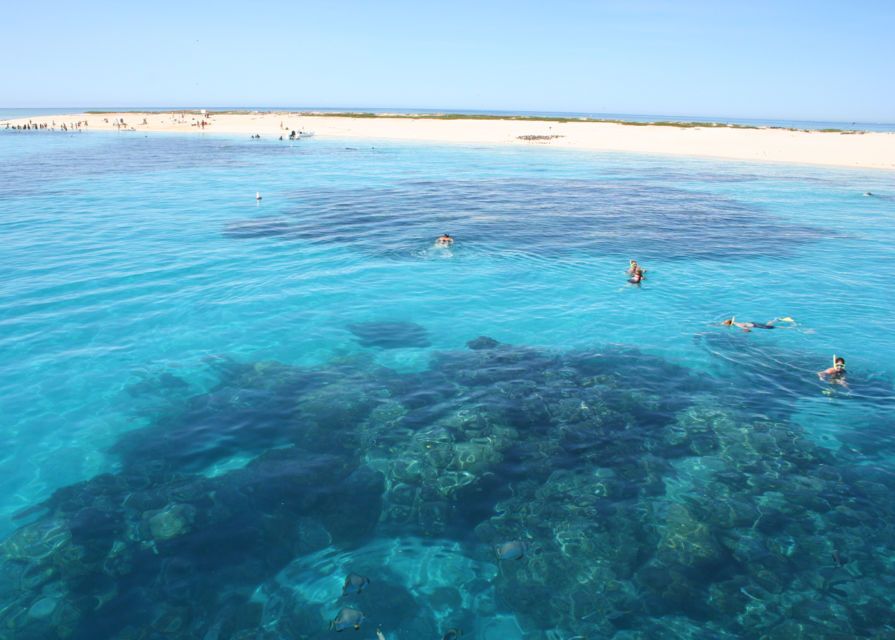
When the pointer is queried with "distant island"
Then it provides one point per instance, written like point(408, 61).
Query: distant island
point(830, 147)
point(687, 124)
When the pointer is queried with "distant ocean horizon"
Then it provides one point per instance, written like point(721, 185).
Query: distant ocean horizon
point(25, 112)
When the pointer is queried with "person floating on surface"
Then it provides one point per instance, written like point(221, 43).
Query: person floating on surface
point(748, 326)
point(637, 277)
point(632, 269)
point(836, 373)
point(444, 240)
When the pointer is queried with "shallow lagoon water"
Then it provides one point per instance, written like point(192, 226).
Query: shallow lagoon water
point(214, 408)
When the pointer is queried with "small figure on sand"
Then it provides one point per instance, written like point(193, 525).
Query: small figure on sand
point(444, 240)
point(836, 373)
point(748, 326)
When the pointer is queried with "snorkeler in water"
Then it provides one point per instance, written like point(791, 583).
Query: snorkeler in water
point(836, 373)
point(444, 240)
point(634, 267)
point(748, 326)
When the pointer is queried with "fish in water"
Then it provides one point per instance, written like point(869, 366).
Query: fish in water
point(347, 619)
point(354, 583)
point(390, 335)
point(452, 634)
point(513, 550)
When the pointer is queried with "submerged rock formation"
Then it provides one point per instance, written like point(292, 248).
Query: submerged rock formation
point(648, 502)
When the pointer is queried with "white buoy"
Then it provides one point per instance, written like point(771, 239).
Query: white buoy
point(257, 195)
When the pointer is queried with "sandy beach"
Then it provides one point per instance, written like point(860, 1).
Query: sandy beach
point(871, 150)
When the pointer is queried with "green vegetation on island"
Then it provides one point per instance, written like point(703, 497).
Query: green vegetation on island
point(486, 116)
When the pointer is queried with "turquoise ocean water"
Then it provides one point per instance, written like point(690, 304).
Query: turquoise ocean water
point(215, 408)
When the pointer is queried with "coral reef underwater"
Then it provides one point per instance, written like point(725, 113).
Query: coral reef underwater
point(607, 218)
point(628, 499)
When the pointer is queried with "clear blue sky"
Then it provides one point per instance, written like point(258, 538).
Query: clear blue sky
point(826, 60)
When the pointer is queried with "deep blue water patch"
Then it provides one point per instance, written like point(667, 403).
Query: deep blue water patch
point(72, 156)
point(555, 217)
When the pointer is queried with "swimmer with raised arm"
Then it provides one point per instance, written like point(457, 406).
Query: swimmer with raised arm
point(748, 326)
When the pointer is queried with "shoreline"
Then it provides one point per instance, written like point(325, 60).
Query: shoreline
point(845, 148)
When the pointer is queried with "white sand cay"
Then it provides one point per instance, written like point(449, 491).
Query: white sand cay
point(865, 150)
